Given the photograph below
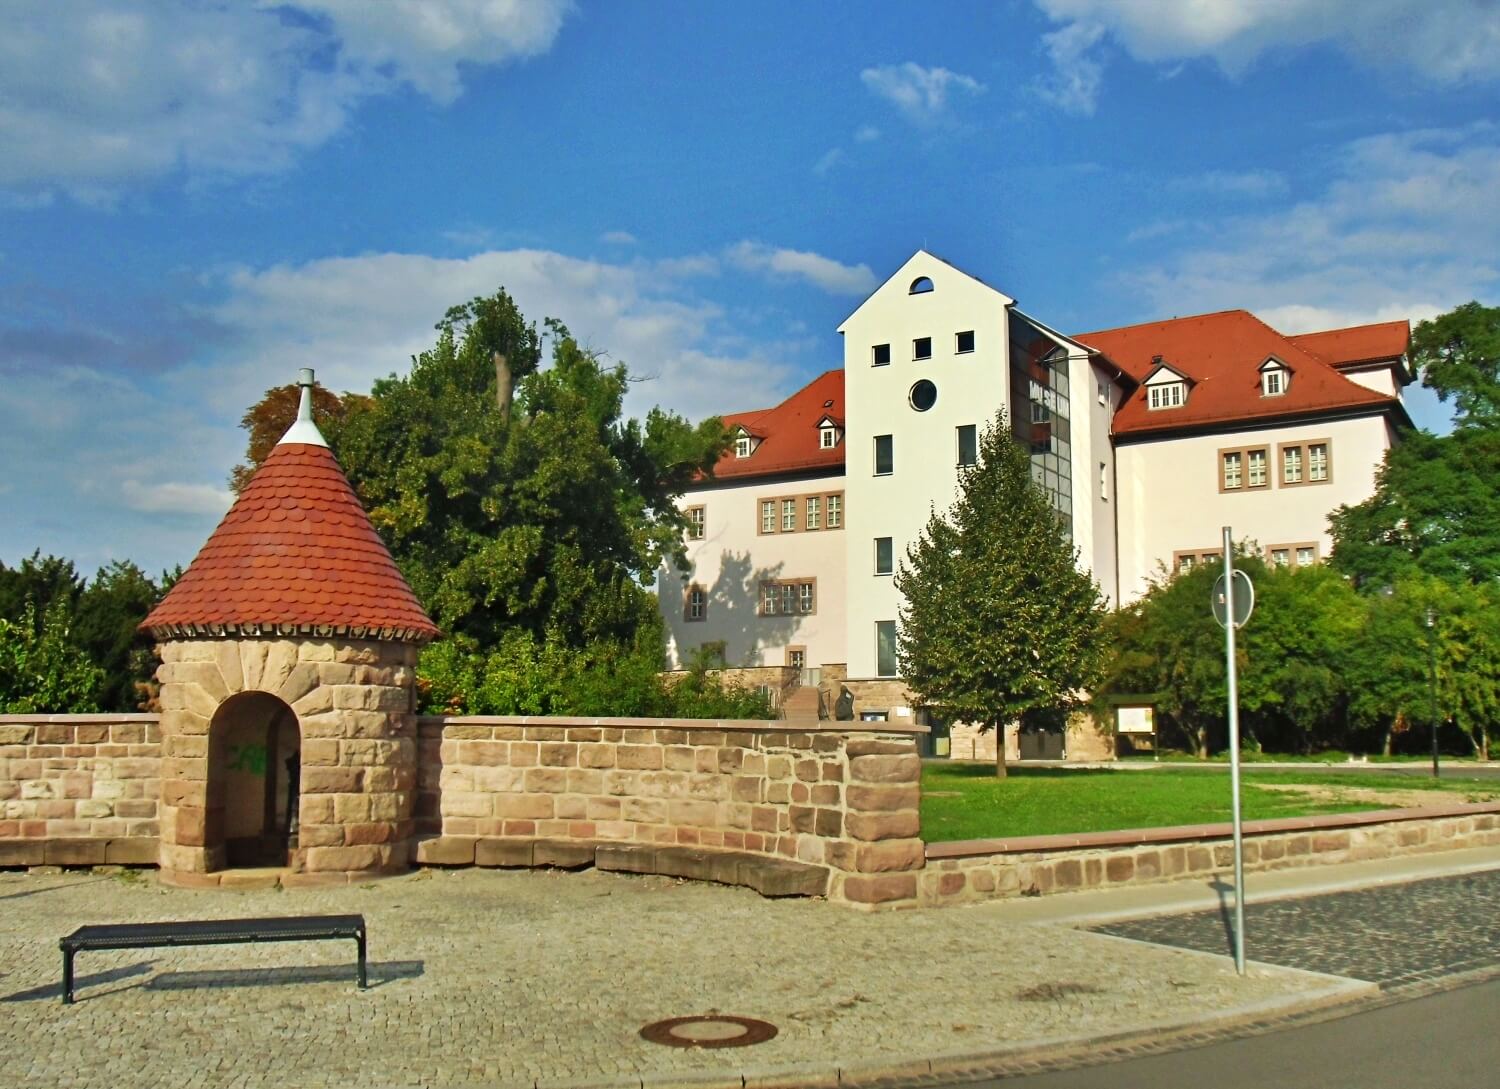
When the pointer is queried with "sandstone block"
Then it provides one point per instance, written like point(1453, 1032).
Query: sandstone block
point(446, 851)
point(883, 798)
point(890, 855)
point(544, 780)
point(506, 851)
point(22, 852)
point(344, 859)
point(871, 746)
point(332, 780)
point(524, 806)
point(356, 835)
point(886, 769)
point(881, 888)
point(562, 854)
point(136, 851)
point(74, 852)
point(638, 757)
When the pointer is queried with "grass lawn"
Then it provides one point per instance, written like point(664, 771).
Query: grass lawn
point(966, 801)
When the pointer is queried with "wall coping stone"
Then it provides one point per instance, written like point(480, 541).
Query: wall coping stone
point(80, 720)
point(738, 725)
point(1140, 837)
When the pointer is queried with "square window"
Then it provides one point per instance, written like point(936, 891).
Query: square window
point(1185, 563)
point(884, 557)
point(835, 511)
point(768, 516)
point(921, 348)
point(1307, 555)
point(885, 455)
point(695, 523)
point(968, 444)
point(1280, 557)
point(882, 355)
point(814, 512)
point(885, 648)
point(788, 515)
point(966, 341)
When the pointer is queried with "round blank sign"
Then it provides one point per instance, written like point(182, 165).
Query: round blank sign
point(1244, 598)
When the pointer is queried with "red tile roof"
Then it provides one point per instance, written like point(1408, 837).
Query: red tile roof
point(789, 432)
point(1221, 355)
point(1358, 344)
point(295, 554)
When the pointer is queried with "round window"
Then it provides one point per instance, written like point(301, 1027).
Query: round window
point(923, 395)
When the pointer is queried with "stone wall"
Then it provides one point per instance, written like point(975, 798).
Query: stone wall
point(78, 789)
point(844, 798)
point(975, 870)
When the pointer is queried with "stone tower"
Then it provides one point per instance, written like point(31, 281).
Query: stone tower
point(289, 647)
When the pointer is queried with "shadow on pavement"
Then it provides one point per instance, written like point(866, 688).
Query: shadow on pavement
point(54, 990)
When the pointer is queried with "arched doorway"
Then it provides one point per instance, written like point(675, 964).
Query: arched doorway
point(254, 768)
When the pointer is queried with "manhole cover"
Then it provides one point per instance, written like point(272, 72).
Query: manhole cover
point(711, 1030)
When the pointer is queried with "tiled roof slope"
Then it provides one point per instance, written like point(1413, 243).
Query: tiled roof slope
point(295, 554)
point(789, 432)
point(1221, 355)
point(1358, 344)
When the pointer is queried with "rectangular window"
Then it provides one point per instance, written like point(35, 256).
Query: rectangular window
point(1307, 555)
point(768, 516)
point(788, 515)
point(883, 556)
point(1104, 481)
point(828, 438)
point(1186, 561)
point(814, 512)
point(1255, 461)
point(885, 648)
point(1168, 395)
point(882, 355)
point(1317, 462)
point(966, 341)
point(1281, 557)
point(805, 596)
point(697, 604)
point(885, 456)
point(968, 444)
point(1271, 385)
point(1291, 465)
point(835, 511)
point(788, 599)
point(1233, 468)
point(768, 595)
point(695, 520)
point(921, 348)
point(742, 447)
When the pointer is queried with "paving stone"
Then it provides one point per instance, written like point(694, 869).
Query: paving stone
point(491, 978)
point(1393, 935)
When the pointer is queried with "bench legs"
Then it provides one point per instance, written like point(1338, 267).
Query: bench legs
point(67, 987)
point(363, 980)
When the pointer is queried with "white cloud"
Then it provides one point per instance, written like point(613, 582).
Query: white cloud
point(829, 159)
point(1449, 42)
point(618, 238)
point(813, 268)
point(866, 134)
point(97, 94)
point(1073, 85)
point(1407, 227)
point(921, 94)
point(1250, 184)
point(174, 497)
point(423, 42)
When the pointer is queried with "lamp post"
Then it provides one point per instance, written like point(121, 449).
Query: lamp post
point(1432, 682)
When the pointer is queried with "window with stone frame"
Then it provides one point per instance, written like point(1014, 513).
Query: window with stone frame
point(696, 519)
point(1308, 461)
point(788, 597)
point(835, 511)
point(1245, 469)
point(813, 506)
point(695, 604)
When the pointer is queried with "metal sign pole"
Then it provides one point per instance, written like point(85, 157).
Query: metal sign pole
point(1234, 754)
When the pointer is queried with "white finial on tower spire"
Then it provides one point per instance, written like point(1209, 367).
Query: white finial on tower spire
point(304, 430)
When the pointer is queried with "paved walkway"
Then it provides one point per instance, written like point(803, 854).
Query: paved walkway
point(491, 978)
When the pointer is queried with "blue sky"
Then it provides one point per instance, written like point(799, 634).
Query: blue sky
point(198, 198)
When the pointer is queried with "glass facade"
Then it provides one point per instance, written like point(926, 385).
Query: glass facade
point(1040, 414)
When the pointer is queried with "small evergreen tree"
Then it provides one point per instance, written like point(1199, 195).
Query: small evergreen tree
point(997, 622)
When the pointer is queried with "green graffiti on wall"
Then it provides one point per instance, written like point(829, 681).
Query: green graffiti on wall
point(249, 758)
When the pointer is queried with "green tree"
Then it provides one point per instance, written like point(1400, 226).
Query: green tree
point(997, 622)
point(105, 626)
point(41, 670)
point(1436, 506)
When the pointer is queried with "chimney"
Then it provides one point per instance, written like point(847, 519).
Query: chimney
point(304, 430)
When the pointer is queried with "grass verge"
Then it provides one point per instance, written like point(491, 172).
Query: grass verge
point(966, 801)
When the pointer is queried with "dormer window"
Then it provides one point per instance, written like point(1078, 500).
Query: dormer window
point(744, 443)
point(1168, 394)
point(828, 431)
point(1275, 378)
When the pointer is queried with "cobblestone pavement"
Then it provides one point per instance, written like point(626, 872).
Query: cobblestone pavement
point(1393, 935)
point(506, 978)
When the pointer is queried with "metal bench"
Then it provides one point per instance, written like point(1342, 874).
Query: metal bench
point(295, 928)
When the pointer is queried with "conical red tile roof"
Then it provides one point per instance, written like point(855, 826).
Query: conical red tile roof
point(296, 554)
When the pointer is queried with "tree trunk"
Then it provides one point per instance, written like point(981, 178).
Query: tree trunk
point(1000, 771)
point(1385, 747)
point(504, 386)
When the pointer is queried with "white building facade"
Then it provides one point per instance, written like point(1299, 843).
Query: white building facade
point(1148, 439)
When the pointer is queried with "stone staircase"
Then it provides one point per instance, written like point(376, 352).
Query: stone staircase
point(800, 705)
